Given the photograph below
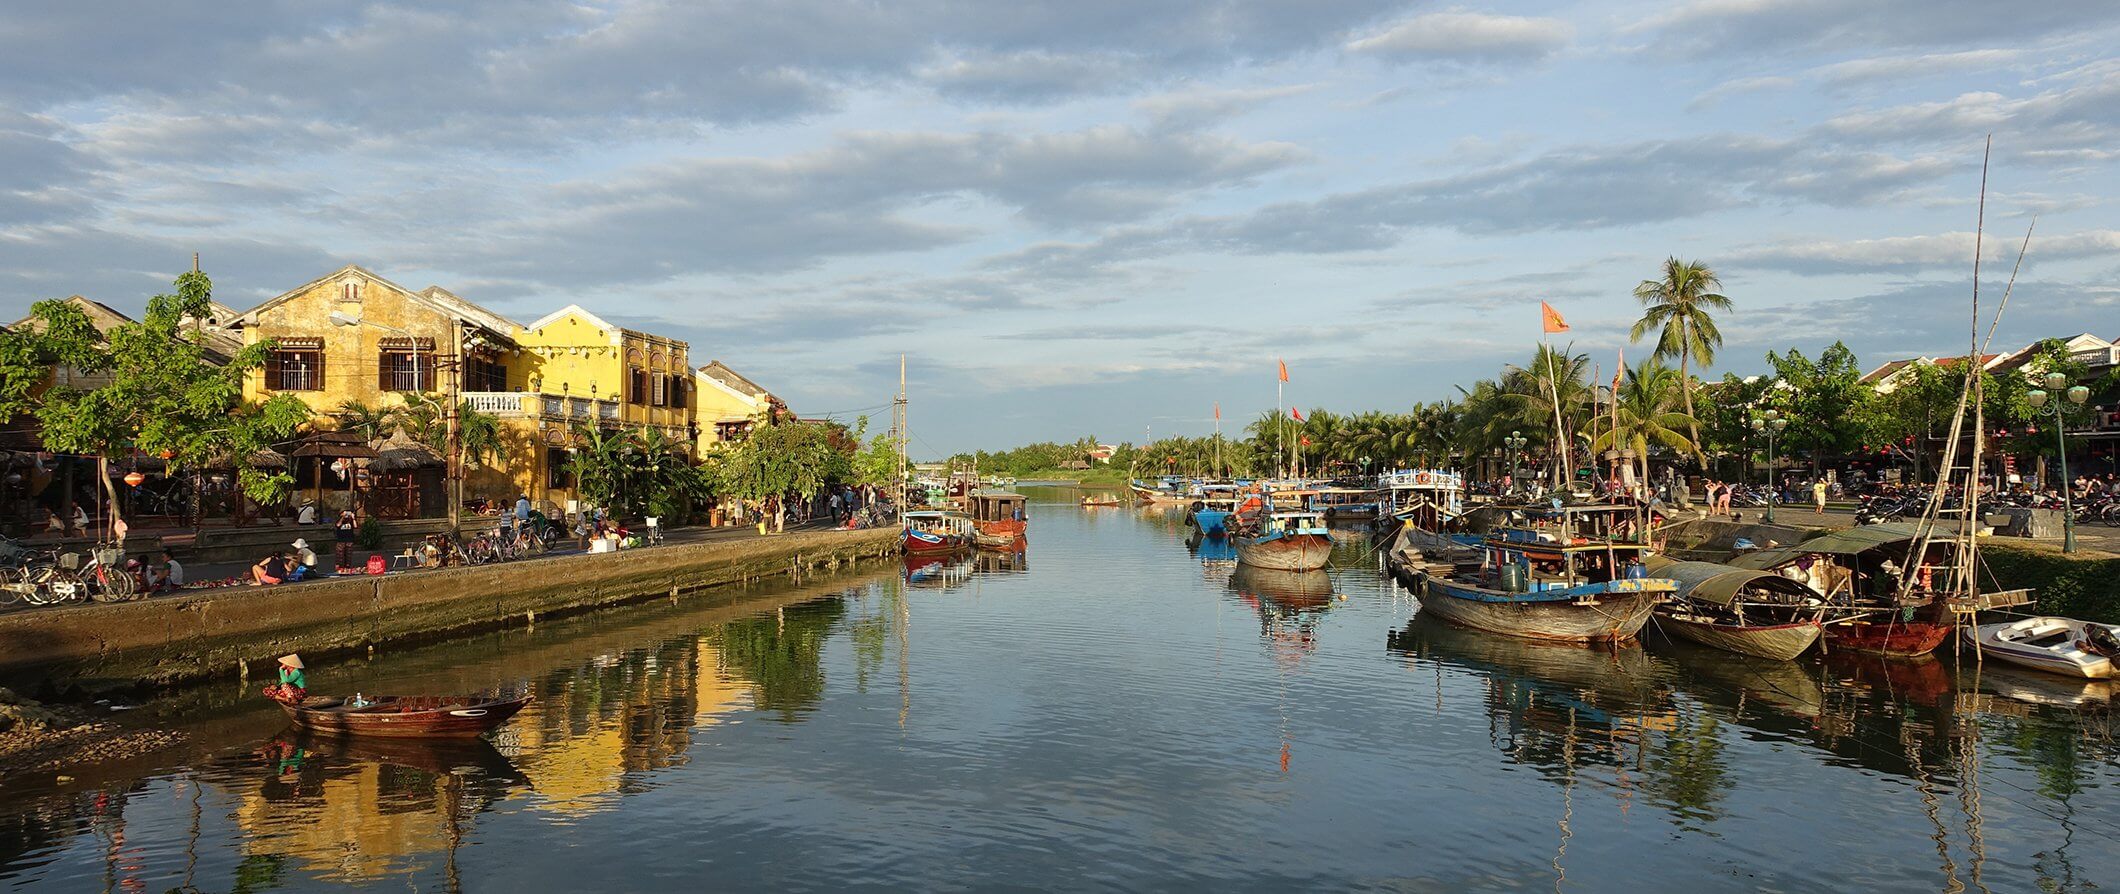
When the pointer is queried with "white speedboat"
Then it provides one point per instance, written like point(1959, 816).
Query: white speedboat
point(2063, 646)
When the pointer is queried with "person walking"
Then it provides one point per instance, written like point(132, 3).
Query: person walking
point(1818, 496)
point(1722, 500)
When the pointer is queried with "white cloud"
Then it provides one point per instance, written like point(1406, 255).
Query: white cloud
point(1461, 36)
point(1944, 252)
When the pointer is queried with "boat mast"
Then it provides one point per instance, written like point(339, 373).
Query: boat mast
point(898, 429)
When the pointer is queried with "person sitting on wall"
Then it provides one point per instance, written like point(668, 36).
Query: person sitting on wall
point(305, 561)
point(168, 576)
point(271, 571)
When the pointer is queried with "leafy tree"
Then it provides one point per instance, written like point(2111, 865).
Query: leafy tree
point(166, 394)
point(1825, 400)
point(1726, 416)
point(1645, 413)
point(785, 458)
point(1680, 304)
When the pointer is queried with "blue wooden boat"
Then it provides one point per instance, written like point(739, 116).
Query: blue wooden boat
point(1562, 578)
point(1284, 541)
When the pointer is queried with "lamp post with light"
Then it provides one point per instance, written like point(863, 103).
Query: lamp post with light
point(2043, 405)
point(1514, 443)
point(1770, 424)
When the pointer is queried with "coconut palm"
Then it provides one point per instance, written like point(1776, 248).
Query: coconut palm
point(1680, 303)
point(1645, 412)
point(371, 423)
point(1552, 395)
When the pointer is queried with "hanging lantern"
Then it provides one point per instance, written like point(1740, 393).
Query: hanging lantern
point(135, 479)
point(168, 453)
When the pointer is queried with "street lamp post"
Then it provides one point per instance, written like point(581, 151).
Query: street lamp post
point(1770, 424)
point(2041, 406)
point(1515, 442)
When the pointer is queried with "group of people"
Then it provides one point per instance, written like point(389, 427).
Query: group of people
point(298, 562)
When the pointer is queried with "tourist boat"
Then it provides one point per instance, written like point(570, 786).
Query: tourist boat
point(1747, 612)
point(1212, 511)
point(1002, 541)
point(2064, 646)
point(1345, 504)
point(1431, 499)
point(998, 512)
point(1858, 571)
point(1283, 541)
point(1561, 579)
point(936, 533)
point(1167, 490)
point(406, 716)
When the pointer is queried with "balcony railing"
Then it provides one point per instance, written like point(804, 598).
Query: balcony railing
point(531, 405)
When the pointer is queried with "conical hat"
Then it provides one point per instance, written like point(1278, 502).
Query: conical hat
point(293, 661)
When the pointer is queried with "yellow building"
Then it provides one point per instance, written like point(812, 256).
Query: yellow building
point(729, 404)
point(354, 336)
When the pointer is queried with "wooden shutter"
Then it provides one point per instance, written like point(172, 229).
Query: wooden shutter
point(383, 363)
point(316, 382)
point(426, 371)
point(272, 371)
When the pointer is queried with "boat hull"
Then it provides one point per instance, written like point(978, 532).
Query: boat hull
point(1293, 552)
point(1013, 527)
point(1896, 639)
point(450, 718)
point(921, 543)
point(1611, 612)
point(1781, 642)
point(1212, 522)
point(2068, 659)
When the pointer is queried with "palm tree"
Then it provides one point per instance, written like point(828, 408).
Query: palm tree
point(371, 423)
point(1680, 303)
point(1552, 394)
point(1645, 412)
point(478, 435)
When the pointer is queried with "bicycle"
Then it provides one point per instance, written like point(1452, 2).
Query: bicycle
point(106, 580)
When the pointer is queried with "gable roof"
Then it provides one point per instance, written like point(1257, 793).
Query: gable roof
point(438, 299)
point(732, 380)
point(101, 315)
point(580, 311)
point(1886, 371)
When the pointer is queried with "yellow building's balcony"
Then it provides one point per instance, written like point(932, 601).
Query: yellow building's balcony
point(532, 405)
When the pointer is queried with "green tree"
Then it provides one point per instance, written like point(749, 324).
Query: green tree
point(1645, 413)
point(1825, 399)
point(785, 458)
point(166, 395)
point(1679, 305)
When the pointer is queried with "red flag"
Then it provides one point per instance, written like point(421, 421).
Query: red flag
point(1296, 413)
point(1284, 369)
point(1218, 411)
point(1306, 440)
point(1551, 318)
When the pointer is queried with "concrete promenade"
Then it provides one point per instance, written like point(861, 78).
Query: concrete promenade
point(228, 631)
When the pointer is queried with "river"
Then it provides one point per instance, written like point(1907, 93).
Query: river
point(1107, 710)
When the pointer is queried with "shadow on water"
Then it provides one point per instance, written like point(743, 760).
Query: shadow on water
point(619, 696)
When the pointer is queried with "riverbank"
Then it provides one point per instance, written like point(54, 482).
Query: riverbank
point(104, 648)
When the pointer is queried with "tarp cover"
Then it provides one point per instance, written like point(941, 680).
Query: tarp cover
point(1719, 584)
point(1848, 542)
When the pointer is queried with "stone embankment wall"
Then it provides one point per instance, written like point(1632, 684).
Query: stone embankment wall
point(228, 631)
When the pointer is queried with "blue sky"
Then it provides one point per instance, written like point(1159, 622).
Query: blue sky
point(1093, 217)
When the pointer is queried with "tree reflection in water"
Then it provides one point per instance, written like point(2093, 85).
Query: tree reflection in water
point(780, 654)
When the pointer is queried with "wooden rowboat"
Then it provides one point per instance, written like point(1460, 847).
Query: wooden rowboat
point(1779, 642)
point(406, 716)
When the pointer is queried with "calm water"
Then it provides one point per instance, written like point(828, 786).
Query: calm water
point(1108, 711)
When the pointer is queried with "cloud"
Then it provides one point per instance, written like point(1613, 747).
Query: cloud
point(1948, 252)
point(1859, 72)
point(1200, 109)
point(1722, 28)
point(865, 195)
point(123, 269)
point(2081, 115)
point(1927, 319)
point(1727, 89)
point(1467, 37)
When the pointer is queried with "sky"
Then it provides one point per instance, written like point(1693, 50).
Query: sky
point(1094, 217)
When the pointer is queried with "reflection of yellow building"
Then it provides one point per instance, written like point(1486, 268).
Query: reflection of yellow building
point(354, 336)
point(579, 742)
point(358, 826)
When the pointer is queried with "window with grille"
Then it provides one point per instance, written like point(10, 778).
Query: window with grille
point(401, 370)
point(295, 370)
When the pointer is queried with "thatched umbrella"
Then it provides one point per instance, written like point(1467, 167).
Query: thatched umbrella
point(400, 453)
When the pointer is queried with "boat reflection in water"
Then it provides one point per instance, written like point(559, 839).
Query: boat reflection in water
point(1289, 605)
point(951, 572)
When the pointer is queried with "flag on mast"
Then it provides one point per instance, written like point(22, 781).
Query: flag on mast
point(1298, 414)
point(1218, 411)
point(1551, 319)
point(1284, 369)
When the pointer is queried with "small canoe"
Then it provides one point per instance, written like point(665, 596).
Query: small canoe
point(2063, 646)
point(1095, 501)
point(406, 716)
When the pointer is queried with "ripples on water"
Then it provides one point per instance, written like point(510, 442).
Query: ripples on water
point(1114, 707)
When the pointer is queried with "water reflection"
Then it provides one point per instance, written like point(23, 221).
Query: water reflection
point(1289, 605)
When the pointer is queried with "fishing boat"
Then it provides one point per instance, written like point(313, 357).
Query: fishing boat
point(936, 533)
point(1210, 513)
point(999, 512)
point(1563, 578)
point(1888, 583)
point(406, 716)
point(1167, 490)
point(1430, 499)
point(1345, 504)
point(1283, 541)
point(1747, 612)
point(1095, 500)
point(2064, 646)
point(1002, 541)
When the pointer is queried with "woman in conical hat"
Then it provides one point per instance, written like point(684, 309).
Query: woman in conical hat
point(293, 685)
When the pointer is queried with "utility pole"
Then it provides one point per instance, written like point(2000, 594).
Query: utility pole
point(898, 432)
point(455, 460)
